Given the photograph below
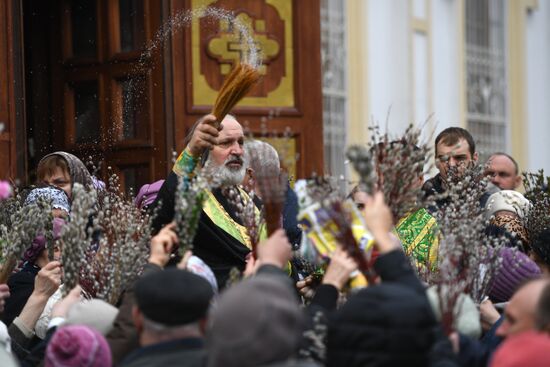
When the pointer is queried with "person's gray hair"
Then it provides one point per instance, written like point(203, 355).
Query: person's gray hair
point(262, 157)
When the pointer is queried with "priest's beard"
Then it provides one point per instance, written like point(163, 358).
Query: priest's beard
point(227, 175)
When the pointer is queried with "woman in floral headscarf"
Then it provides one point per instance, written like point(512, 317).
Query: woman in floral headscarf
point(63, 170)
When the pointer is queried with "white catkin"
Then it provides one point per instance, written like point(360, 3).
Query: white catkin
point(76, 236)
point(190, 196)
point(467, 257)
point(394, 166)
point(25, 223)
point(124, 236)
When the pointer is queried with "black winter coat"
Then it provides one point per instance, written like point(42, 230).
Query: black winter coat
point(391, 324)
point(180, 353)
point(21, 287)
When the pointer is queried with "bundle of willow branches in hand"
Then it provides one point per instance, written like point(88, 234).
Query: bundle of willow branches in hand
point(248, 213)
point(190, 196)
point(237, 84)
point(393, 166)
point(125, 234)
point(537, 191)
point(76, 235)
point(26, 223)
point(467, 258)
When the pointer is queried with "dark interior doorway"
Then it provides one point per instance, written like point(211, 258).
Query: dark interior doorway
point(38, 17)
point(89, 91)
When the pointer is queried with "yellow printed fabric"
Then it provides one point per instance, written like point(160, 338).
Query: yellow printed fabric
point(321, 242)
point(321, 229)
point(418, 235)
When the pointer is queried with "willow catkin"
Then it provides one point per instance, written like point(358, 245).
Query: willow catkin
point(467, 258)
point(394, 167)
point(537, 219)
point(26, 223)
point(123, 246)
point(237, 84)
point(246, 211)
point(76, 236)
point(190, 196)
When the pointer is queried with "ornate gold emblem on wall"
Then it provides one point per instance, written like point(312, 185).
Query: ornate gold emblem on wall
point(216, 47)
point(228, 49)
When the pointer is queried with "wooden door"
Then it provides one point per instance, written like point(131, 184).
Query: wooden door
point(107, 90)
point(12, 141)
point(289, 94)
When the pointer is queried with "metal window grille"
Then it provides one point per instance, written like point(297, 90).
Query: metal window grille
point(486, 75)
point(333, 59)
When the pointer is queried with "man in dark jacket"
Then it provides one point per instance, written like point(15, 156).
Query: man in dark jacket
point(170, 318)
point(454, 149)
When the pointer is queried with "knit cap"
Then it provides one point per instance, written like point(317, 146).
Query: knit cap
point(530, 349)
point(515, 269)
point(79, 346)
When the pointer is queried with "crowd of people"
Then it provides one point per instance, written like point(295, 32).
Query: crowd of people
point(353, 292)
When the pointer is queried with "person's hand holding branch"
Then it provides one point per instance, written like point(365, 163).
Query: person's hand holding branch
point(379, 220)
point(205, 136)
point(340, 269)
point(162, 245)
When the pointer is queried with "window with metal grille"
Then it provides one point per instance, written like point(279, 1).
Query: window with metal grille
point(486, 75)
point(333, 59)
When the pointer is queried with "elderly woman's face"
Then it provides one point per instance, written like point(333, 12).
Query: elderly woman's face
point(61, 179)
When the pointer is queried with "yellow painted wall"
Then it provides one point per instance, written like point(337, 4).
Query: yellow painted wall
point(358, 101)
